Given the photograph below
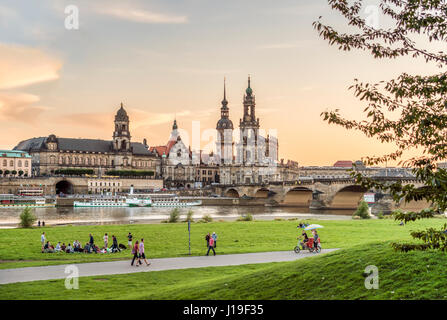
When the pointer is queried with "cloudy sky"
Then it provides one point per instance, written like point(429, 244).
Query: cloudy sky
point(168, 59)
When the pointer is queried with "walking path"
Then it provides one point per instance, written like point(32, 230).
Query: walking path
point(122, 267)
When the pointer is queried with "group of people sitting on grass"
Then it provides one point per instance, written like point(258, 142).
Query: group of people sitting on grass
point(89, 247)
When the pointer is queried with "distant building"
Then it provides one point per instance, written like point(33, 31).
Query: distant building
point(343, 164)
point(14, 163)
point(176, 161)
point(52, 153)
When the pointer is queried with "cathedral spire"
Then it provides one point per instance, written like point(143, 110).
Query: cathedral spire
point(224, 101)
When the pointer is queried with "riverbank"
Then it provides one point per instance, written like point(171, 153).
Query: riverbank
point(107, 216)
point(21, 247)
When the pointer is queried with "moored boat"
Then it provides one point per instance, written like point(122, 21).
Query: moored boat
point(13, 201)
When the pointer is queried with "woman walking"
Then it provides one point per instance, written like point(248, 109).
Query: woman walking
point(135, 254)
point(141, 250)
point(207, 239)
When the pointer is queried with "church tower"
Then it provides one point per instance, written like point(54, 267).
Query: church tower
point(248, 128)
point(121, 135)
point(224, 127)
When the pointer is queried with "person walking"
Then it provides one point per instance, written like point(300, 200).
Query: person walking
point(141, 250)
point(129, 240)
point(135, 254)
point(42, 239)
point(214, 236)
point(106, 241)
point(207, 239)
point(91, 241)
point(211, 246)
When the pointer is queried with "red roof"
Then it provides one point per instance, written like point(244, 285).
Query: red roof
point(164, 149)
point(343, 164)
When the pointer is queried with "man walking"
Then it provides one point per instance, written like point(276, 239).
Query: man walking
point(91, 241)
point(214, 236)
point(211, 246)
point(142, 255)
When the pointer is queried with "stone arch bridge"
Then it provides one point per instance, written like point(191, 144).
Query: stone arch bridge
point(314, 193)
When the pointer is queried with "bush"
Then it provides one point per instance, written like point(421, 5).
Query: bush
point(174, 215)
point(207, 218)
point(380, 215)
point(27, 218)
point(246, 217)
point(77, 172)
point(362, 211)
point(189, 216)
point(130, 173)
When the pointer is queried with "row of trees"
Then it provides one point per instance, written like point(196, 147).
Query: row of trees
point(74, 171)
point(13, 172)
point(130, 173)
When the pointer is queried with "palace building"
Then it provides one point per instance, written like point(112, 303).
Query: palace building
point(52, 153)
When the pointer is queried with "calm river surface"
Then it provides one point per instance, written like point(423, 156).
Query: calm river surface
point(59, 216)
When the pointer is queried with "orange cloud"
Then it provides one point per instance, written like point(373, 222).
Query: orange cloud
point(20, 107)
point(21, 66)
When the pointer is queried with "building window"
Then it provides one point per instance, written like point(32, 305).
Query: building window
point(19, 163)
point(5, 163)
point(11, 163)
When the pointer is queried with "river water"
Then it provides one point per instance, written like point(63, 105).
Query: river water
point(9, 218)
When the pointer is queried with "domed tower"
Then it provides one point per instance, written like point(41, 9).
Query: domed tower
point(248, 127)
point(121, 135)
point(224, 127)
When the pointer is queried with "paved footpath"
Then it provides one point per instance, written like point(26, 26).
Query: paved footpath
point(122, 267)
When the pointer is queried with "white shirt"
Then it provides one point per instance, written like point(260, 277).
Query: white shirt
point(42, 238)
point(106, 238)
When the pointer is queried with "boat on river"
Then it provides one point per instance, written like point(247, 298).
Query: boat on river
point(13, 201)
point(138, 200)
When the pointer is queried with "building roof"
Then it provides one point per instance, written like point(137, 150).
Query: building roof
point(160, 150)
point(14, 154)
point(343, 164)
point(71, 144)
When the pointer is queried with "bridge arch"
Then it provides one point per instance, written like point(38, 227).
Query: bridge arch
point(348, 197)
point(263, 193)
point(65, 187)
point(414, 205)
point(298, 197)
point(232, 193)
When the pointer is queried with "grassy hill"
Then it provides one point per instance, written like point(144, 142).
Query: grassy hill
point(21, 247)
point(338, 275)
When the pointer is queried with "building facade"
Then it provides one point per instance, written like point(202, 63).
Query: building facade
point(15, 163)
point(52, 153)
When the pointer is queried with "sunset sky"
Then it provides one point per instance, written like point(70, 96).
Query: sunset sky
point(167, 59)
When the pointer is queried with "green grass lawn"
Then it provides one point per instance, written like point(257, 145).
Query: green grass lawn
point(21, 247)
point(337, 275)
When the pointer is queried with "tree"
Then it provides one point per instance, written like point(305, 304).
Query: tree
point(6, 172)
point(13, 172)
point(1, 172)
point(20, 173)
point(27, 218)
point(362, 210)
point(409, 111)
